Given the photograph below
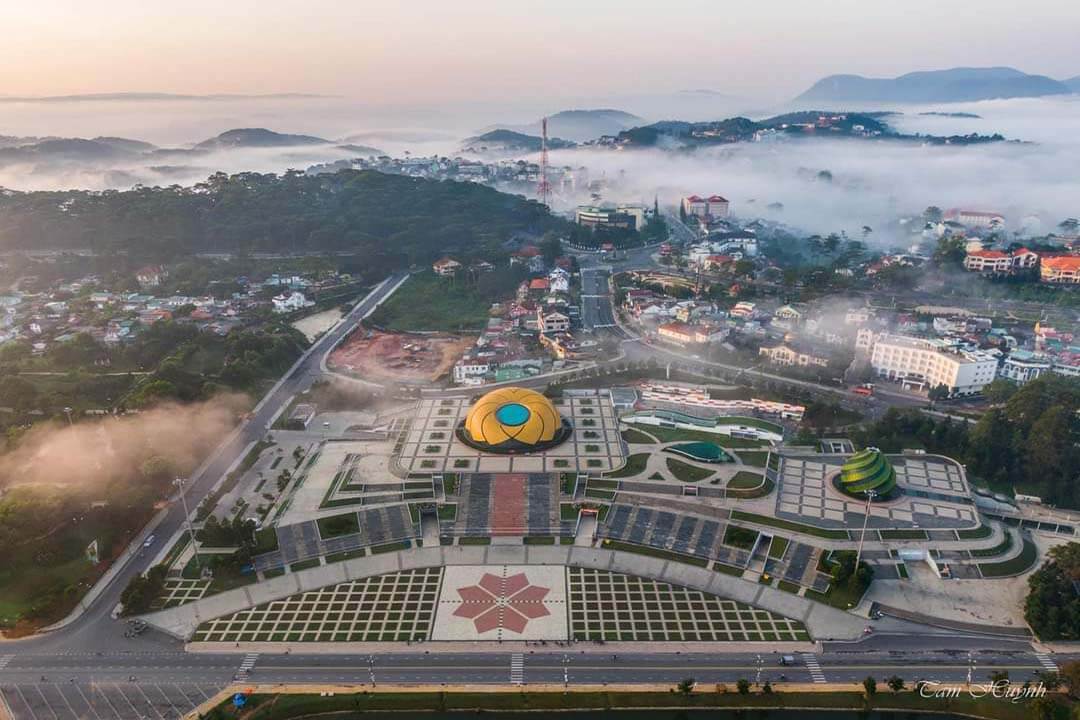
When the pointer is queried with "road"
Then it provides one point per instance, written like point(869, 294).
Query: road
point(164, 685)
point(95, 629)
point(596, 310)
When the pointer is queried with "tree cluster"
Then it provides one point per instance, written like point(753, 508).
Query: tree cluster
point(1053, 602)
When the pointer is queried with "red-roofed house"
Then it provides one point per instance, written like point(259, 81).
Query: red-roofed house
point(715, 206)
point(539, 285)
point(1062, 269)
point(1000, 263)
point(677, 332)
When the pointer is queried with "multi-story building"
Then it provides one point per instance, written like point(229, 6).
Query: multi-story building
point(1000, 263)
point(629, 217)
point(713, 206)
point(552, 322)
point(1062, 269)
point(975, 218)
point(932, 363)
point(785, 354)
point(677, 332)
point(1022, 366)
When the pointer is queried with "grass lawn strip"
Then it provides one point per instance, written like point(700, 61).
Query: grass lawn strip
point(826, 533)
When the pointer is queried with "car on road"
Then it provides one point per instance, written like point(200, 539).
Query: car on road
point(149, 541)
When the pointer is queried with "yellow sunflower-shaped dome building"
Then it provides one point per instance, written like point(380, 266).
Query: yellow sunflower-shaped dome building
point(513, 420)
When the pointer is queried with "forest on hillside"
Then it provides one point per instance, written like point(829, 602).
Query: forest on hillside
point(392, 219)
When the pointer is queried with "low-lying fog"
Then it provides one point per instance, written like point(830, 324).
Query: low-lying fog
point(872, 181)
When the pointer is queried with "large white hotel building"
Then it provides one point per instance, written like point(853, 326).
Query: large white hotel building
point(930, 363)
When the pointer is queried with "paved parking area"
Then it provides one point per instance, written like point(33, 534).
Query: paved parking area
point(104, 700)
point(613, 606)
point(388, 608)
point(935, 496)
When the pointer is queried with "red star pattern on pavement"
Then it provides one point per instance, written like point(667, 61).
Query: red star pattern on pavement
point(502, 602)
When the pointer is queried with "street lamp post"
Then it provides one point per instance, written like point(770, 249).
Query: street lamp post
point(870, 495)
point(179, 482)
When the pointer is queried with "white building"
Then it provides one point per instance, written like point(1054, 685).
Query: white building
point(559, 281)
point(713, 206)
point(471, 372)
point(553, 322)
point(289, 303)
point(930, 363)
point(975, 218)
point(1022, 367)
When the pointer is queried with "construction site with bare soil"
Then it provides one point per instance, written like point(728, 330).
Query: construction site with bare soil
point(369, 354)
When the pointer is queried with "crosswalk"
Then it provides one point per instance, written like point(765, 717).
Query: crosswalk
point(812, 665)
point(4, 660)
point(247, 666)
point(1048, 664)
point(517, 669)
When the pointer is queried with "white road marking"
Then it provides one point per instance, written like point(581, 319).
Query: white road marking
point(517, 669)
point(1046, 662)
point(814, 667)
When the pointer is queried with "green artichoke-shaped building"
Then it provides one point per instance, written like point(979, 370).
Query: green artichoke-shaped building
point(868, 469)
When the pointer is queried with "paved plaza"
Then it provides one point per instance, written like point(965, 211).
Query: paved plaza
point(612, 606)
point(432, 446)
point(502, 602)
point(934, 495)
point(396, 607)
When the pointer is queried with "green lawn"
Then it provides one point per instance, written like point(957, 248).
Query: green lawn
point(631, 435)
point(655, 552)
point(448, 511)
point(1028, 556)
point(778, 547)
point(685, 472)
point(788, 525)
point(285, 706)
point(750, 422)
point(635, 464)
point(428, 302)
point(471, 540)
point(745, 480)
point(666, 435)
point(753, 458)
point(983, 531)
point(1000, 549)
point(903, 534)
point(740, 537)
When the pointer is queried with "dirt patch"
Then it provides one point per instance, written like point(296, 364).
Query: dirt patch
point(398, 357)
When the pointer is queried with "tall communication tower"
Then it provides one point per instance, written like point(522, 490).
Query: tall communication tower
point(543, 187)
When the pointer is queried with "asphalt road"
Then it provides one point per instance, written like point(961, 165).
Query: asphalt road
point(596, 299)
point(95, 629)
point(164, 685)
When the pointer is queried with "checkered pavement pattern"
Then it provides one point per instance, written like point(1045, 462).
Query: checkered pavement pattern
point(395, 607)
point(613, 606)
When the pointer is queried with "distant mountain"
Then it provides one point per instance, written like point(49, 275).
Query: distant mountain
point(678, 135)
point(1073, 84)
point(360, 149)
point(257, 138)
point(509, 141)
point(52, 150)
point(955, 85)
point(582, 125)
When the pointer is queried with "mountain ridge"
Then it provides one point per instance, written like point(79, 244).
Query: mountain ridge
point(960, 84)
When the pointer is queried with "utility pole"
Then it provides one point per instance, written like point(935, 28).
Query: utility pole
point(870, 495)
point(179, 482)
point(971, 667)
point(566, 671)
point(371, 668)
point(757, 675)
